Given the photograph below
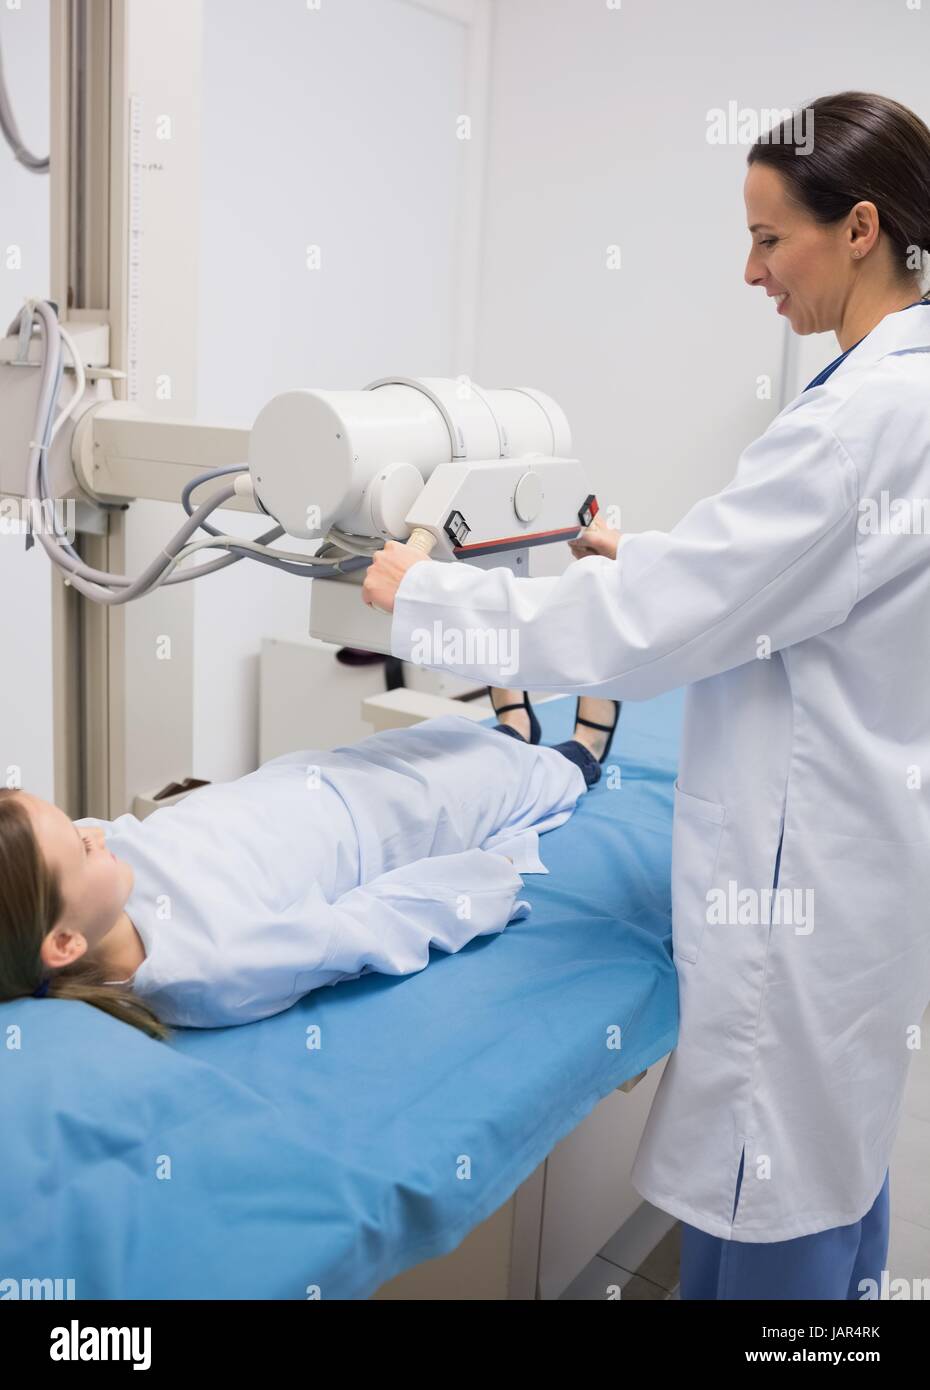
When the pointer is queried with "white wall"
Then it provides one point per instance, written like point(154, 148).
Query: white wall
point(598, 136)
point(25, 589)
point(332, 128)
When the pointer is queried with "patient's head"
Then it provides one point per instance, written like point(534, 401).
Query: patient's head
point(61, 892)
point(92, 883)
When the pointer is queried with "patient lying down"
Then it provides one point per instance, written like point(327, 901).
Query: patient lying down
point(318, 867)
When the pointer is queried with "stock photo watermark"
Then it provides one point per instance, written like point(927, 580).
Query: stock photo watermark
point(893, 516)
point(53, 1289)
point(469, 646)
point(747, 125)
point(48, 517)
point(733, 906)
point(77, 1343)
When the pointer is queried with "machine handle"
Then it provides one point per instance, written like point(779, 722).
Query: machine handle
point(422, 540)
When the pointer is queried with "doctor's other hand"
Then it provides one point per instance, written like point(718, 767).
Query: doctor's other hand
point(596, 539)
point(387, 569)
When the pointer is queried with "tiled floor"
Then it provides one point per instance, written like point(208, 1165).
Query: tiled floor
point(655, 1274)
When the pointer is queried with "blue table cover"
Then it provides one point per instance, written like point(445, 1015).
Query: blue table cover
point(373, 1125)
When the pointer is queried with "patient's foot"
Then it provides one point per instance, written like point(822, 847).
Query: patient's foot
point(601, 712)
point(517, 719)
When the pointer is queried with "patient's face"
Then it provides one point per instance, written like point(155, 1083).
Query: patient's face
point(94, 883)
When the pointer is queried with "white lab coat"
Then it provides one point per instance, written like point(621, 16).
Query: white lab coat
point(804, 638)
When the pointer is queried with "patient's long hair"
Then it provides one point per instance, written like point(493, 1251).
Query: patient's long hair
point(30, 905)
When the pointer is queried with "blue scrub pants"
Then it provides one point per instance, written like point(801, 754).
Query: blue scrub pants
point(572, 750)
point(828, 1265)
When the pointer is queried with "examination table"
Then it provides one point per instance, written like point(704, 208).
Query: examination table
point(372, 1126)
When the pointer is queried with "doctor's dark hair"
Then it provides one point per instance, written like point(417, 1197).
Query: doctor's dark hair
point(30, 904)
point(865, 148)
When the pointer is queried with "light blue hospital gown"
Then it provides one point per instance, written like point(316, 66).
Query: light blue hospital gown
point(321, 866)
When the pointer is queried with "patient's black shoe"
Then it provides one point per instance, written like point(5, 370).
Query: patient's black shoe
point(524, 704)
point(608, 729)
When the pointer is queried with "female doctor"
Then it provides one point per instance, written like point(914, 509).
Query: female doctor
point(795, 606)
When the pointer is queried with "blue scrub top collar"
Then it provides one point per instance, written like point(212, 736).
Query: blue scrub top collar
point(831, 367)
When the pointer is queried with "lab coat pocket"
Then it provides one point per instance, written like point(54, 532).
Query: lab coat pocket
point(696, 835)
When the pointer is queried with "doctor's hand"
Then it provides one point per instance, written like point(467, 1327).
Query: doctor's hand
point(596, 539)
point(387, 569)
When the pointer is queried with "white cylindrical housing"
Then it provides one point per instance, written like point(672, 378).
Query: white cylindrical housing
point(350, 459)
point(313, 454)
point(531, 422)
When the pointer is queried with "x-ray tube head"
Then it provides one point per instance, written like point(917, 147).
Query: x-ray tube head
point(356, 460)
point(314, 455)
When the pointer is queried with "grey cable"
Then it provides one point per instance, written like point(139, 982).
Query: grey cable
point(109, 588)
point(311, 570)
point(11, 130)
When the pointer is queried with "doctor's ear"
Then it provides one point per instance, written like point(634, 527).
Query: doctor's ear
point(862, 228)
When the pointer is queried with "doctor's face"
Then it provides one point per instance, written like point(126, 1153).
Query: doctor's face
point(802, 264)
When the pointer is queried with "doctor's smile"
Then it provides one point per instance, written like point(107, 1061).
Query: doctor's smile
point(465, 723)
